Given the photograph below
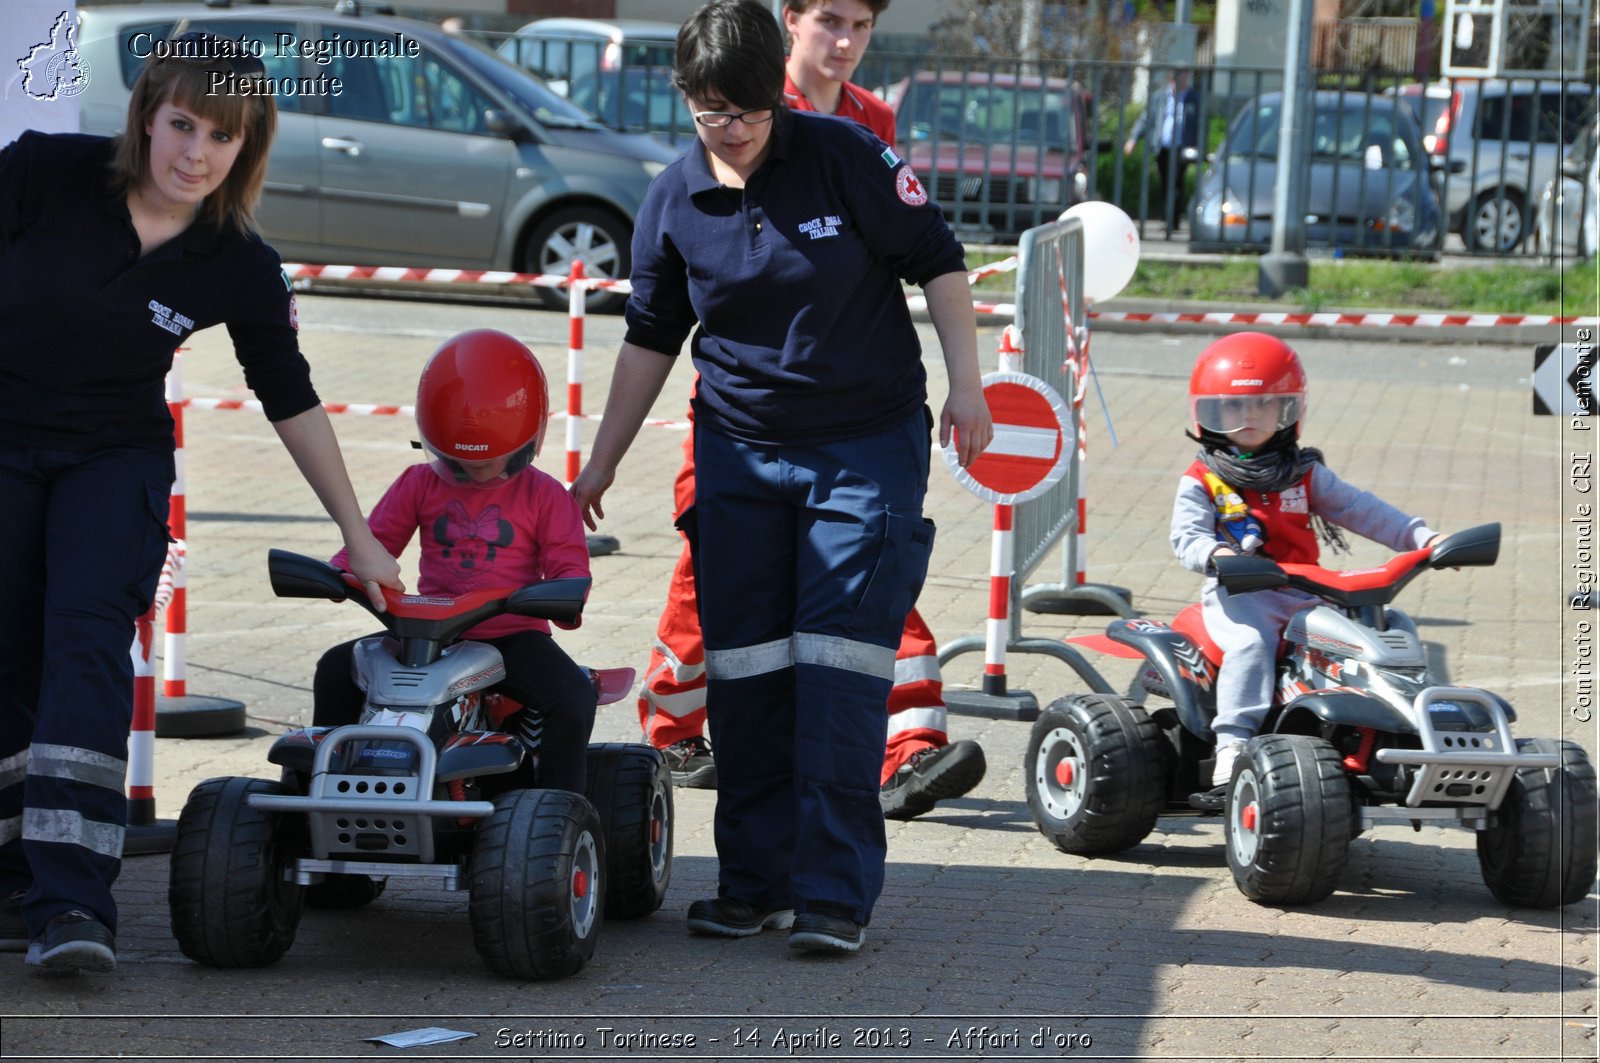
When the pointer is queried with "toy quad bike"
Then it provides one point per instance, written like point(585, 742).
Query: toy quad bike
point(1358, 734)
point(425, 786)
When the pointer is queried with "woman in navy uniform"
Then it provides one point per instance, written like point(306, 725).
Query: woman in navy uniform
point(785, 236)
point(111, 253)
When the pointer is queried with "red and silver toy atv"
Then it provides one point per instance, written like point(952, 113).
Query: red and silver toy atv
point(1359, 734)
point(426, 786)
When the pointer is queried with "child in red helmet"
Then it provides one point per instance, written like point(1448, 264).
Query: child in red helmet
point(1254, 489)
point(488, 519)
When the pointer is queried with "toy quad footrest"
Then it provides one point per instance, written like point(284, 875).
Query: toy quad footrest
point(365, 815)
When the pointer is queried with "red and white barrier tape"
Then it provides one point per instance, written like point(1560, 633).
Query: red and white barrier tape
point(1323, 319)
point(379, 410)
point(304, 271)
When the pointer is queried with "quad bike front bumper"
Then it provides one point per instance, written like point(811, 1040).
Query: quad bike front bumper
point(1467, 760)
point(353, 818)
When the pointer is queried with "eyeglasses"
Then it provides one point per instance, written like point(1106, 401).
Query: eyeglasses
point(205, 49)
point(719, 119)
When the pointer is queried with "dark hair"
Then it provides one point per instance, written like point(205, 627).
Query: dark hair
point(187, 82)
point(800, 7)
point(735, 48)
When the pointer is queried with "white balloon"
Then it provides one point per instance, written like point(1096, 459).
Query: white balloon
point(1110, 248)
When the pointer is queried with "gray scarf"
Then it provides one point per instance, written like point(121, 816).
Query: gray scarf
point(1270, 472)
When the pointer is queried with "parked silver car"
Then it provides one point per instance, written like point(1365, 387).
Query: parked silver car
point(1367, 188)
point(1497, 143)
point(441, 155)
point(1567, 216)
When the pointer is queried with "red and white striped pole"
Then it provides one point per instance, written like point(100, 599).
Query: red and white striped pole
point(180, 714)
point(576, 303)
point(173, 659)
point(144, 834)
point(1002, 553)
point(997, 629)
point(1078, 359)
point(142, 736)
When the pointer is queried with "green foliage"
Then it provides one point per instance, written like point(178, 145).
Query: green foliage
point(1531, 287)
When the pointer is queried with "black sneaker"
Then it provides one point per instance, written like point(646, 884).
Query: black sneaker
point(74, 941)
point(13, 931)
point(934, 774)
point(728, 918)
point(691, 764)
point(826, 932)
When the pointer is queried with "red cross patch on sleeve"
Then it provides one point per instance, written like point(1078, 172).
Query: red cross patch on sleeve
point(910, 189)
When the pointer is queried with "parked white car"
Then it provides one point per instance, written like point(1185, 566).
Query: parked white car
point(1567, 218)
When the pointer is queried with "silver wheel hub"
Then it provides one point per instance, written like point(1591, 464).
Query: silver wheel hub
point(1060, 773)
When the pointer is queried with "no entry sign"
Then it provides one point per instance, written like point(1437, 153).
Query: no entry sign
point(1029, 454)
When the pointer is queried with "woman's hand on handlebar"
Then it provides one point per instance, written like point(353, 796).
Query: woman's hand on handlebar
point(375, 568)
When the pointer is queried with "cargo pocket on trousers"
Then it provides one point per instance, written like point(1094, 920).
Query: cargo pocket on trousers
point(158, 508)
point(897, 577)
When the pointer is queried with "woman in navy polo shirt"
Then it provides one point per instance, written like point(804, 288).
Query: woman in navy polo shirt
point(111, 253)
point(785, 236)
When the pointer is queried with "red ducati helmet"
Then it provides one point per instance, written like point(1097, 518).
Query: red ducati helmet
point(1244, 369)
point(482, 396)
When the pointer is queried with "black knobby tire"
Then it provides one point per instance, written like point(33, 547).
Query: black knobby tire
point(231, 902)
point(538, 884)
point(630, 787)
point(602, 239)
point(1288, 815)
point(1095, 774)
point(1539, 849)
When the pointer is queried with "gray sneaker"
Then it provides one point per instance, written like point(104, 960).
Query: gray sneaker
point(74, 941)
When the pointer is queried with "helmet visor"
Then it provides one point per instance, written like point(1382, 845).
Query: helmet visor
point(1229, 414)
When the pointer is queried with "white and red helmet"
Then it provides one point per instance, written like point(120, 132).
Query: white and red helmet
point(483, 396)
point(1246, 367)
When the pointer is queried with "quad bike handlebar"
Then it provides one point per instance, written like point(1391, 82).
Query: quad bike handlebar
point(427, 618)
point(1360, 588)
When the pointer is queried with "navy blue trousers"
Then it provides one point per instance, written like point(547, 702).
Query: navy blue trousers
point(82, 539)
point(808, 559)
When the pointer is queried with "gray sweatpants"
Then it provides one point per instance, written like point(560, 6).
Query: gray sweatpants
point(1247, 628)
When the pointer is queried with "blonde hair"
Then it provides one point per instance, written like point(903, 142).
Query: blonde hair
point(188, 84)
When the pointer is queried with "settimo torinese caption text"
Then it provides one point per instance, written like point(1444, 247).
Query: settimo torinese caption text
point(283, 45)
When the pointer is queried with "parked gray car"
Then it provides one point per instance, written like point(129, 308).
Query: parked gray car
point(1367, 187)
point(439, 156)
point(1496, 143)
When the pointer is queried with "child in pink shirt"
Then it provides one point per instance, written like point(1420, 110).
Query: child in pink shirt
point(487, 519)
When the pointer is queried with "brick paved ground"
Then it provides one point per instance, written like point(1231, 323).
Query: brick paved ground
point(1150, 954)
